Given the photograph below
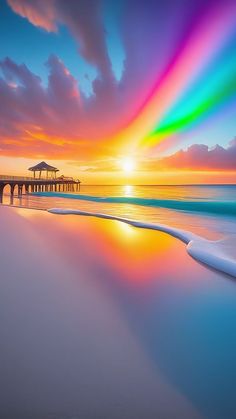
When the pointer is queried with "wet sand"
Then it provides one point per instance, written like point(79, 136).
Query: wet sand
point(102, 320)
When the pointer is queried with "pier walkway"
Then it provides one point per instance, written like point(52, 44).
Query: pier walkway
point(20, 185)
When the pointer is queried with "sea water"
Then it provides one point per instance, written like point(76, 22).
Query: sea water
point(205, 209)
point(205, 212)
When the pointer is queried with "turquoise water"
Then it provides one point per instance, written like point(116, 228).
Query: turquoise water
point(208, 210)
point(202, 206)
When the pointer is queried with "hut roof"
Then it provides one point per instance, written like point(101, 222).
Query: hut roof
point(43, 166)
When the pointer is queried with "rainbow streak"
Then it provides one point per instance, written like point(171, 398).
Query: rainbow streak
point(219, 91)
point(203, 45)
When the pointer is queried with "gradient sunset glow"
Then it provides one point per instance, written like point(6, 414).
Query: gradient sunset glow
point(120, 92)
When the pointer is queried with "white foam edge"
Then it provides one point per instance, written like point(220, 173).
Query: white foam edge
point(209, 252)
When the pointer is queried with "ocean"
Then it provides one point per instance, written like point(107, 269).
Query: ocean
point(209, 210)
point(203, 214)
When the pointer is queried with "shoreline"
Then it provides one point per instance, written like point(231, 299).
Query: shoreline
point(22, 207)
point(211, 253)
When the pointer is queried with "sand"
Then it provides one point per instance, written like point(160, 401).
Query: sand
point(93, 322)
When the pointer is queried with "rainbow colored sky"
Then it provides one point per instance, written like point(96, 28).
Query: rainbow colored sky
point(87, 85)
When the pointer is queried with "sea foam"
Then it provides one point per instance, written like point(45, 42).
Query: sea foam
point(212, 253)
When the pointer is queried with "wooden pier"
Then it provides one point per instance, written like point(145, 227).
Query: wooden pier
point(49, 183)
point(24, 185)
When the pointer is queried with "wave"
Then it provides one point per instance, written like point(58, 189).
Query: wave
point(211, 207)
point(211, 253)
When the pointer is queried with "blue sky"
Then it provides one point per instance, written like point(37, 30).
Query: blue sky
point(31, 45)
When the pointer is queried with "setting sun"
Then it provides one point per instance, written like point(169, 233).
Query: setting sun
point(128, 165)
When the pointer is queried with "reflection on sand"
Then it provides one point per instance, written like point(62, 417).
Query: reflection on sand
point(123, 319)
point(127, 250)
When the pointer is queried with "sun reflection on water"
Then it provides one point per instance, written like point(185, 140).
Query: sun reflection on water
point(128, 190)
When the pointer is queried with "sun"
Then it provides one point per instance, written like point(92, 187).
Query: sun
point(128, 165)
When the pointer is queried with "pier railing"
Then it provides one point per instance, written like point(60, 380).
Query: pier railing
point(31, 179)
point(6, 177)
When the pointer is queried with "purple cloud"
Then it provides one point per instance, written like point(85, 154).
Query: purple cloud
point(201, 157)
point(34, 117)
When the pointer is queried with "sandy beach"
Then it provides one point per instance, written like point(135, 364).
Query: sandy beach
point(103, 320)
point(117, 209)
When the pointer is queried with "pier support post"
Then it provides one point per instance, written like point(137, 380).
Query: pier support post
point(1, 192)
point(20, 187)
point(12, 189)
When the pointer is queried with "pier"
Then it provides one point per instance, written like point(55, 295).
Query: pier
point(20, 185)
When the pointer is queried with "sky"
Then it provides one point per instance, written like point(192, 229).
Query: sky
point(119, 91)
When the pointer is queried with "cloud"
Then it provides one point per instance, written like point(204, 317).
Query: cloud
point(33, 117)
point(40, 14)
point(139, 24)
point(201, 157)
point(84, 20)
point(57, 119)
point(198, 157)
